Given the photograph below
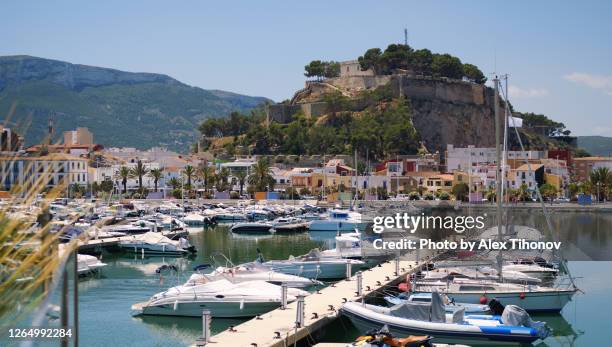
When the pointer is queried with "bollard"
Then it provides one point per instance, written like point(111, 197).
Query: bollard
point(397, 266)
point(283, 295)
point(359, 283)
point(299, 313)
point(205, 329)
point(348, 271)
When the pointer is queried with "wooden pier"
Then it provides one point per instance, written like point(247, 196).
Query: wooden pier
point(277, 328)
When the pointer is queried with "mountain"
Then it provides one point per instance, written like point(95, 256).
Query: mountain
point(596, 145)
point(120, 108)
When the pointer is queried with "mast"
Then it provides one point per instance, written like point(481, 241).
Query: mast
point(498, 181)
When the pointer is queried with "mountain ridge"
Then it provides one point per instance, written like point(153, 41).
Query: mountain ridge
point(136, 109)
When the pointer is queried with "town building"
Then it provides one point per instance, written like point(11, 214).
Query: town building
point(10, 141)
point(462, 158)
point(49, 171)
point(584, 166)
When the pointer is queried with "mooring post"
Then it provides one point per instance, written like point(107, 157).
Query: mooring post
point(348, 271)
point(397, 266)
point(202, 341)
point(299, 313)
point(359, 283)
point(283, 295)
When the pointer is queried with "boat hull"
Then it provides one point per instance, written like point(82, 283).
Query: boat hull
point(217, 308)
point(530, 301)
point(466, 336)
point(313, 270)
point(336, 225)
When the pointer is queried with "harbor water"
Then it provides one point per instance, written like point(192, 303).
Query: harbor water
point(105, 299)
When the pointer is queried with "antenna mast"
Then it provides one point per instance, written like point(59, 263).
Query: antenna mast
point(405, 36)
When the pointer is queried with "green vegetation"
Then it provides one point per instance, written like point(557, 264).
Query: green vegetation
point(421, 61)
point(383, 127)
point(260, 179)
point(120, 108)
point(601, 182)
point(460, 191)
point(320, 69)
point(543, 125)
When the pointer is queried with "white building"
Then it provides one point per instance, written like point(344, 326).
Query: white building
point(51, 170)
point(462, 158)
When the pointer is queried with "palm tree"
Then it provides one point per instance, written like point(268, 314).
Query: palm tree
point(189, 172)
point(174, 183)
point(222, 179)
point(206, 174)
point(261, 176)
point(156, 174)
point(600, 179)
point(241, 177)
point(138, 171)
point(124, 174)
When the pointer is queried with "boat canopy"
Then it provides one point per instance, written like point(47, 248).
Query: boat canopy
point(423, 311)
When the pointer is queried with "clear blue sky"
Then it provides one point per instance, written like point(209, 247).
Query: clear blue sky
point(558, 53)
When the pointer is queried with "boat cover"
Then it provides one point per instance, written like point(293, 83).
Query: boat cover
point(516, 316)
point(423, 311)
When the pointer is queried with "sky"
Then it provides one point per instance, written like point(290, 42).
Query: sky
point(558, 54)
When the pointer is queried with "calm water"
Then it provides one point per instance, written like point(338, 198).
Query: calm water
point(105, 301)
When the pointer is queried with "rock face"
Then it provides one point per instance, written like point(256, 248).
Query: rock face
point(444, 111)
point(121, 108)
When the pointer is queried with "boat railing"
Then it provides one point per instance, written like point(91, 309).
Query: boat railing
point(221, 260)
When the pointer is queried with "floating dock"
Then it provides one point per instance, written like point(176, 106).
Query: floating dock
point(278, 328)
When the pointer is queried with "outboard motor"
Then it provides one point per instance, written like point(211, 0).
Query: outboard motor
point(496, 307)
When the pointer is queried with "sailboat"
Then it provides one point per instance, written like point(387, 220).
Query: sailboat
point(533, 298)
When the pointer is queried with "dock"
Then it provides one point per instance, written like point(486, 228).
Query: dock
point(277, 328)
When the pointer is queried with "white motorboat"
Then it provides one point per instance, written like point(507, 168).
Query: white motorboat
point(87, 264)
point(194, 219)
point(418, 318)
point(339, 221)
point(253, 271)
point(314, 266)
point(532, 298)
point(156, 243)
point(222, 297)
point(289, 224)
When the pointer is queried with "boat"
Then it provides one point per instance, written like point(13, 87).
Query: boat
point(157, 244)
point(450, 305)
point(195, 219)
point(289, 224)
point(532, 298)
point(252, 228)
point(514, 326)
point(88, 264)
point(478, 273)
point(253, 271)
point(382, 337)
point(339, 221)
point(127, 229)
point(222, 298)
point(312, 265)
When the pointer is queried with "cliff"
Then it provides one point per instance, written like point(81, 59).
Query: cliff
point(443, 111)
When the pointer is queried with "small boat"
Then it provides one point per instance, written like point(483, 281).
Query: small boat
point(252, 228)
point(314, 266)
point(339, 221)
point(223, 298)
point(450, 305)
point(157, 244)
point(514, 326)
point(88, 264)
point(289, 224)
point(195, 219)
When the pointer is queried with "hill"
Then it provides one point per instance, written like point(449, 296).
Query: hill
point(596, 145)
point(121, 108)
